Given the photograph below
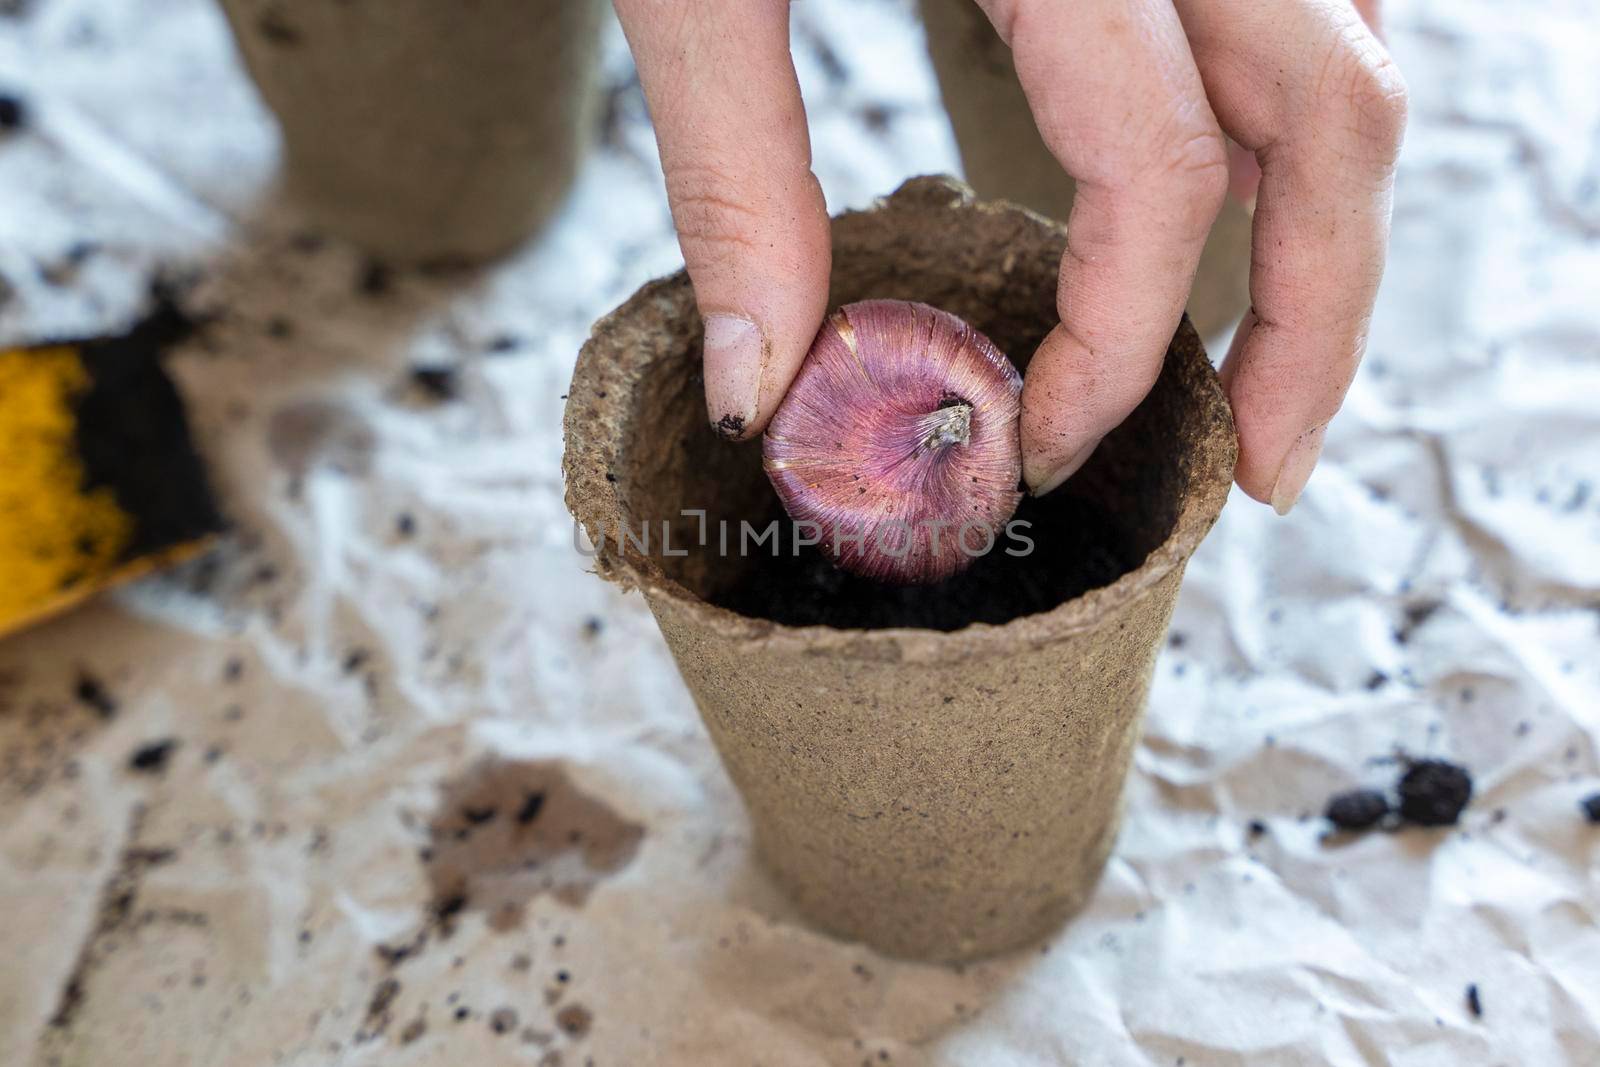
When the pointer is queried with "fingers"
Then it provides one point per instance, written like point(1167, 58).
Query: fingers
point(1309, 88)
point(749, 213)
point(1118, 101)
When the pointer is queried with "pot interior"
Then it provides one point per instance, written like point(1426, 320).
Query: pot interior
point(996, 269)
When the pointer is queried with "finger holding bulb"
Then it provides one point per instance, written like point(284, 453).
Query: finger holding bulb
point(750, 216)
point(1127, 94)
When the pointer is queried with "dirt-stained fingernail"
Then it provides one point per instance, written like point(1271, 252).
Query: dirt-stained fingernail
point(733, 373)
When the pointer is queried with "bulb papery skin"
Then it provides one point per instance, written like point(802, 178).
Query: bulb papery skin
point(899, 442)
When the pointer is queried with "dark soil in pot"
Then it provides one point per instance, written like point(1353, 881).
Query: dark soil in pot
point(1076, 545)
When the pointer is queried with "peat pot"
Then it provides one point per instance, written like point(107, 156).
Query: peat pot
point(425, 130)
point(936, 771)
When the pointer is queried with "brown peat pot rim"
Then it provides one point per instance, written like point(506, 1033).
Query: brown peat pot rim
point(602, 462)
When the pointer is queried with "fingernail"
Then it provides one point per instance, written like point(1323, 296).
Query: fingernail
point(732, 372)
point(1296, 469)
point(1044, 480)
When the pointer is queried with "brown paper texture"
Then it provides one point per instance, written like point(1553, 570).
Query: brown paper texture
point(348, 690)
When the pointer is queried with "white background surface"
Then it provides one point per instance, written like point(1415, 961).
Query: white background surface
point(1465, 473)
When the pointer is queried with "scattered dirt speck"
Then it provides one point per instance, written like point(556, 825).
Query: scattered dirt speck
point(13, 113)
point(532, 804)
point(1357, 809)
point(413, 1030)
point(439, 383)
point(92, 693)
point(152, 758)
point(1474, 1001)
point(378, 1008)
point(375, 279)
point(1434, 792)
point(1414, 617)
point(448, 907)
point(574, 1020)
point(395, 955)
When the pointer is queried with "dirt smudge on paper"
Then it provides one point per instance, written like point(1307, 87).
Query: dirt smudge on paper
point(116, 910)
point(507, 832)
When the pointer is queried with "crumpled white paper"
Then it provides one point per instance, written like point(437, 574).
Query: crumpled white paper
point(338, 684)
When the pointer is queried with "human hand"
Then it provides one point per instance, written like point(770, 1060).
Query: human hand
point(1132, 98)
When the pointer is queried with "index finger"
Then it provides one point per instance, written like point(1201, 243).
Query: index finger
point(751, 221)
